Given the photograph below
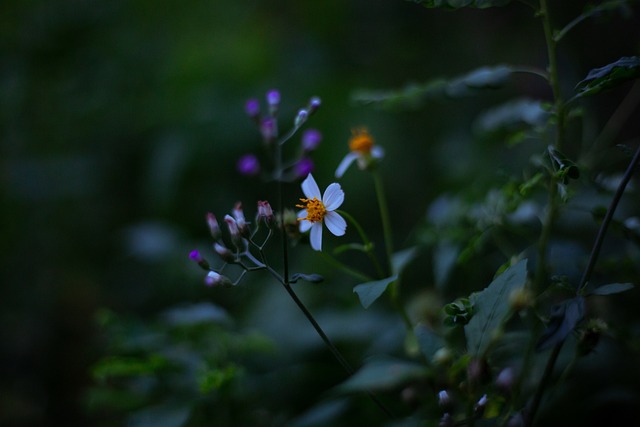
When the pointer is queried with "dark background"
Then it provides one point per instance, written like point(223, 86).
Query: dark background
point(121, 123)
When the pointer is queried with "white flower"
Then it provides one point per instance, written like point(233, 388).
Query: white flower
point(362, 149)
point(319, 208)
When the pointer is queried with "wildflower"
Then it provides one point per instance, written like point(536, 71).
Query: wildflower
point(319, 208)
point(273, 100)
point(265, 212)
point(248, 165)
point(268, 129)
point(362, 149)
point(214, 227)
point(195, 256)
point(252, 108)
point(304, 167)
point(215, 279)
point(311, 139)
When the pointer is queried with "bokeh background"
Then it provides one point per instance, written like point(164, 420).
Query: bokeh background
point(121, 123)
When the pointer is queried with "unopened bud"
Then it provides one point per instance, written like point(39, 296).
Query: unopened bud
point(265, 213)
point(314, 104)
point(234, 231)
point(238, 215)
point(268, 129)
point(444, 399)
point(214, 227)
point(311, 139)
point(480, 405)
point(446, 421)
point(223, 252)
point(301, 117)
point(304, 167)
point(252, 108)
point(215, 279)
point(273, 100)
point(195, 256)
point(505, 380)
point(248, 165)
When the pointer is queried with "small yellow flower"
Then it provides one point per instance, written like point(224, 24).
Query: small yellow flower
point(363, 149)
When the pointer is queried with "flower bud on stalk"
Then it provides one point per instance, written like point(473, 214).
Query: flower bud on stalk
point(273, 100)
point(268, 129)
point(301, 117)
point(215, 279)
point(224, 253)
point(234, 232)
point(314, 104)
point(238, 215)
point(195, 256)
point(214, 227)
point(265, 213)
point(252, 108)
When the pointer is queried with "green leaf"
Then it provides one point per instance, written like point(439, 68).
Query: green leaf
point(401, 259)
point(457, 4)
point(512, 117)
point(491, 306)
point(428, 341)
point(611, 288)
point(370, 291)
point(382, 374)
point(414, 95)
point(609, 76)
point(564, 317)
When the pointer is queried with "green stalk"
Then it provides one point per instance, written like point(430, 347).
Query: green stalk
point(384, 216)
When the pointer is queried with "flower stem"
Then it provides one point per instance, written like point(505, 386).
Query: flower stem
point(365, 240)
point(384, 216)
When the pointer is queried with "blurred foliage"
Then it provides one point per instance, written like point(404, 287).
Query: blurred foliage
point(121, 123)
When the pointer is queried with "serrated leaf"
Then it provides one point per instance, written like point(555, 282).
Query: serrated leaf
point(413, 95)
point(491, 306)
point(611, 288)
point(457, 4)
point(370, 291)
point(401, 259)
point(428, 341)
point(609, 76)
point(564, 317)
point(382, 374)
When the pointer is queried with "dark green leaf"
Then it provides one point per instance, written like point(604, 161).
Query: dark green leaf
point(370, 291)
point(413, 95)
point(513, 116)
point(491, 306)
point(311, 278)
point(382, 374)
point(401, 259)
point(457, 4)
point(564, 317)
point(611, 288)
point(609, 76)
point(428, 341)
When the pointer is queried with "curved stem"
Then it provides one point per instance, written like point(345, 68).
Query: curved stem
point(365, 240)
point(350, 271)
point(384, 216)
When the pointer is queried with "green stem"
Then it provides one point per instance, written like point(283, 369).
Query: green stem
point(384, 216)
point(367, 243)
point(350, 271)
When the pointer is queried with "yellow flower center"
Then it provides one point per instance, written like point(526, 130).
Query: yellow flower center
point(315, 210)
point(361, 141)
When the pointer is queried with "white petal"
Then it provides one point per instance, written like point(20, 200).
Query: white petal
point(315, 237)
point(304, 225)
point(333, 197)
point(345, 163)
point(377, 152)
point(310, 188)
point(335, 223)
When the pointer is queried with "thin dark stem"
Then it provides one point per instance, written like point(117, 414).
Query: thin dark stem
point(553, 357)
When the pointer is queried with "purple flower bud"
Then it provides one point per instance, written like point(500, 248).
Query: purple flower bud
point(265, 213)
point(444, 400)
point(234, 231)
point(311, 139)
point(195, 256)
point(273, 100)
point(304, 167)
point(214, 227)
point(252, 108)
point(301, 118)
point(314, 104)
point(223, 252)
point(268, 129)
point(215, 279)
point(238, 215)
point(248, 165)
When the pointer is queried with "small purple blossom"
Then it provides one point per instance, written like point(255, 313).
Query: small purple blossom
point(214, 227)
point(304, 167)
point(248, 165)
point(268, 129)
point(195, 256)
point(273, 100)
point(314, 104)
point(252, 108)
point(311, 139)
point(213, 279)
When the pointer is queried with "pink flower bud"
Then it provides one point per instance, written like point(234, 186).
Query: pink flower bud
point(214, 227)
point(265, 213)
